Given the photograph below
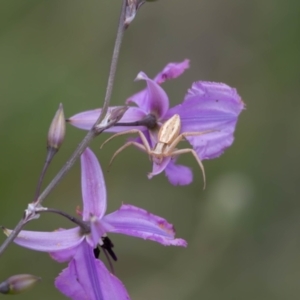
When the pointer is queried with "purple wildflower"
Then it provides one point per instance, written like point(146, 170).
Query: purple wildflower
point(87, 278)
point(77, 247)
point(206, 106)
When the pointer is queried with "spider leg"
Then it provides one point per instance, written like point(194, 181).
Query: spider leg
point(193, 133)
point(142, 147)
point(142, 136)
point(145, 146)
point(172, 146)
point(182, 151)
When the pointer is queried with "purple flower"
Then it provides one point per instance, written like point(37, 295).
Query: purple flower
point(87, 278)
point(206, 106)
point(77, 247)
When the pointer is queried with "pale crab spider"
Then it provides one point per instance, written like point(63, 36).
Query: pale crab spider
point(167, 139)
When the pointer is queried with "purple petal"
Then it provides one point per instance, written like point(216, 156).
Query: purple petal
point(151, 100)
point(134, 221)
point(209, 106)
point(171, 71)
point(97, 231)
point(225, 97)
point(92, 185)
point(178, 174)
point(87, 278)
point(158, 168)
point(112, 287)
point(85, 120)
point(64, 255)
point(49, 241)
point(67, 283)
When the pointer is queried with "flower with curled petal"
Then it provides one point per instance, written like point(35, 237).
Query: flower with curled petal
point(206, 106)
point(76, 246)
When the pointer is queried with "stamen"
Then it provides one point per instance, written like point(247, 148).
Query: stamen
point(96, 252)
point(108, 245)
point(107, 249)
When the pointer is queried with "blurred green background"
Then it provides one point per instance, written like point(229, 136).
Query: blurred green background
point(243, 230)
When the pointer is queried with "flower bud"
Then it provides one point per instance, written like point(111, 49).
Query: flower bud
point(112, 117)
point(132, 8)
point(57, 129)
point(18, 283)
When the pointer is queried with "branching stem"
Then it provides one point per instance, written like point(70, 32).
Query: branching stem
point(89, 136)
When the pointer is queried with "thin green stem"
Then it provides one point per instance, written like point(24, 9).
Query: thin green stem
point(84, 226)
point(93, 133)
point(114, 62)
point(13, 235)
point(90, 135)
point(50, 154)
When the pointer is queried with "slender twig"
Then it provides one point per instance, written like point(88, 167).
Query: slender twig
point(93, 133)
point(84, 226)
point(13, 235)
point(50, 154)
point(114, 62)
point(90, 135)
point(68, 165)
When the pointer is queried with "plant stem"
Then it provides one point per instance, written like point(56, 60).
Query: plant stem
point(84, 226)
point(93, 133)
point(114, 62)
point(90, 135)
point(13, 235)
point(50, 154)
point(67, 166)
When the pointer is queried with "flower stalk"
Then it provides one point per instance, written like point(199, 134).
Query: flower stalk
point(89, 136)
point(56, 135)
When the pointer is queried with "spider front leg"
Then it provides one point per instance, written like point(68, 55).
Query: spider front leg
point(171, 148)
point(182, 151)
point(144, 147)
point(173, 145)
point(142, 136)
